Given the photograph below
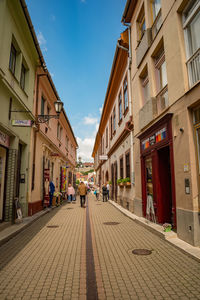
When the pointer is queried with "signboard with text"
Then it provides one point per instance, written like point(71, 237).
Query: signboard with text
point(103, 157)
point(22, 123)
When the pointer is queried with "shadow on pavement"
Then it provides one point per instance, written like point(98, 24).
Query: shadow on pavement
point(11, 248)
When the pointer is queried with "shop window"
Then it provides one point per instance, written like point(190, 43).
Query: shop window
point(141, 25)
point(121, 167)
point(191, 26)
point(156, 16)
point(120, 106)
point(22, 77)
point(127, 160)
point(12, 62)
point(125, 91)
point(42, 105)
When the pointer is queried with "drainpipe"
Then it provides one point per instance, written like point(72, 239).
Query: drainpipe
point(129, 89)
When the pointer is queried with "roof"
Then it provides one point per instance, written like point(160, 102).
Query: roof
point(128, 11)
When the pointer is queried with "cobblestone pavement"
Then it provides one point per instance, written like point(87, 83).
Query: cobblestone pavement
point(49, 262)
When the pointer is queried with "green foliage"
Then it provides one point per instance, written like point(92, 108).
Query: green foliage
point(110, 182)
point(120, 180)
point(127, 179)
point(77, 181)
point(86, 173)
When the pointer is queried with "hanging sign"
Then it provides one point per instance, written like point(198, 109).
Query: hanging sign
point(103, 157)
point(22, 123)
point(4, 139)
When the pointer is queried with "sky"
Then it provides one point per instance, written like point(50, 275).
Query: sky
point(78, 40)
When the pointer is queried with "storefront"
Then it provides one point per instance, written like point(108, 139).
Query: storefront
point(157, 163)
point(4, 144)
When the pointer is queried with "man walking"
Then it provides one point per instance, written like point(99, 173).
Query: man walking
point(104, 192)
point(82, 192)
point(108, 189)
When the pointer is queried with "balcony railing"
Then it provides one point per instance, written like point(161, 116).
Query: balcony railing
point(193, 65)
point(162, 99)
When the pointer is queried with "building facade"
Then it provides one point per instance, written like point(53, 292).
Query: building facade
point(165, 74)
point(18, 62)
point(114, 144)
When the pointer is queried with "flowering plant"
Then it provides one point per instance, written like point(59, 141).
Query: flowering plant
point(167, 227)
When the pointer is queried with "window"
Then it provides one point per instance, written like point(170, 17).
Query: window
point(58, 130)
point(12, 62)
point(111, 127)
point(66, 142)
point(145, 85)
point(114, 120)
point(125, 89)
point(61, 131)
point(128, 165)
point(42, 105)
point(141, 24)
point(191, 26)
point(106, 137)
point(156, 16)
point(102, 145)
point(161, 75)
point(121, 171)
point(22, 78)
point(156, 6)
point(120, 106)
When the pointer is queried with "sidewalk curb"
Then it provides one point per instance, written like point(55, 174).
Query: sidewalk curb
point(12, 230)
point(170, 237)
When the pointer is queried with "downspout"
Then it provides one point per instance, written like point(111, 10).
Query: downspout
point(130, 94)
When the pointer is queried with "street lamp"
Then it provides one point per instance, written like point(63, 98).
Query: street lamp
point(45, 118)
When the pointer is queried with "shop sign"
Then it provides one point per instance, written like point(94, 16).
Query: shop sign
point(103, 157)
point(22, 123)
point(4, 139)
point(63, 179)
point(155, 138)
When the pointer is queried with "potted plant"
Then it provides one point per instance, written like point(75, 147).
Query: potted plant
point(127, 182)
point(120, 182)
point(167, 227)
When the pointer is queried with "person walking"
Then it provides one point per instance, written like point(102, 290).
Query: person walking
point(96, 192)
point(51, 192)
point(104, 192)
point(108, 189)
point(70, 192)
point(82, 192)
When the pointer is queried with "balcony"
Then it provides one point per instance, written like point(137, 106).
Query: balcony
point(193, 66)
point(143, 46)
point(148, 112)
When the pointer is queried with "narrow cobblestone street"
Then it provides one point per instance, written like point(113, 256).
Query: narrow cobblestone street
point(48, 259)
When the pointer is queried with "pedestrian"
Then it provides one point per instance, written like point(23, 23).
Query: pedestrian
point(104, 192)
point(70, 192)
point(51, 192)
point(82, 192)
point(96, 192)
point(108, 189)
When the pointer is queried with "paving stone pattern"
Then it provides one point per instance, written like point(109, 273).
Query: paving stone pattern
point(49, 263)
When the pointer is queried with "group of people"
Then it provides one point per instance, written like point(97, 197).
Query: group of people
point(82, 188)
point(105, 192)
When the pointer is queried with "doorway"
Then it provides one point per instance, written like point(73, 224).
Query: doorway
point(2, 179)
point(165, 186)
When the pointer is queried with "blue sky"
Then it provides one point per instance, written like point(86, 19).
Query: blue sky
point(78, 40)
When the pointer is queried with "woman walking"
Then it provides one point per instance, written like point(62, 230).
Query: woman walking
point(70, 192)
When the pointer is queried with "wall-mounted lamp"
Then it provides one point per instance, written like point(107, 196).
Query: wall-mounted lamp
point(41, 118)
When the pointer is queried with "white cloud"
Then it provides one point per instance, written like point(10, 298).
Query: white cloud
point(42, 41)
point(90, 121)
point(83, 1)
point(100, 109)
point(52, 75)
point(85, 149)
